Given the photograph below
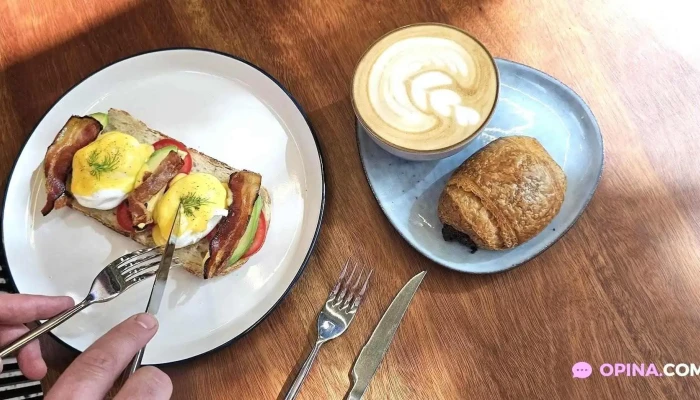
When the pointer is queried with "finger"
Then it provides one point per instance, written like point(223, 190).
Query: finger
point(29, 357)
point(22, 308)
point(146, 383)
point(93, 373)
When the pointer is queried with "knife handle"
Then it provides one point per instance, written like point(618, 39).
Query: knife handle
point(359, 386)
point(305, 368)
point(136, 362)
point(356, 392)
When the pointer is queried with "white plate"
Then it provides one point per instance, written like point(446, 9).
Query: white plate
point(215, 103)
point(531, 103)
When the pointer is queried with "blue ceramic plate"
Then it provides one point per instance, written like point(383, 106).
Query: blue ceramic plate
point(531, 103)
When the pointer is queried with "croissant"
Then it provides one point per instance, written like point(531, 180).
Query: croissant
point(503, 195)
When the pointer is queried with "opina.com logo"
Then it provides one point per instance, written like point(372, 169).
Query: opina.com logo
point(583, 370)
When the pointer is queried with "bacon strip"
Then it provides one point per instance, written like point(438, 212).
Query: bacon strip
point(245, 186)
point(77, 133)
point(151, 185)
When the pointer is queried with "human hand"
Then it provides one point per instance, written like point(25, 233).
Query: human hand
point(18, 309)
point(93, 373)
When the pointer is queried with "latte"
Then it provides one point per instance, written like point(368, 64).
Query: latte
point(425, 87)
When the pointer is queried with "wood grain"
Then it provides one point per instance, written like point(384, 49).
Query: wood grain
point(621, 286)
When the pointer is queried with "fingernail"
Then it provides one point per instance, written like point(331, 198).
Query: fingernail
point(146, 320)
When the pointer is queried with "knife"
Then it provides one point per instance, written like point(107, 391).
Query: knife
point(158, 285)
point(372, 354)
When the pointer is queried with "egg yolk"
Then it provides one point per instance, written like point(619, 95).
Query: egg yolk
point(110, 162)
point(201, 196)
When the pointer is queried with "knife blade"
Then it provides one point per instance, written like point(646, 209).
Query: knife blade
point(163, 270)
point(372, 354)
point(159, 284)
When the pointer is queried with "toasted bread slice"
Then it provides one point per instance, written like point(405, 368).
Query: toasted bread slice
point(190, 257)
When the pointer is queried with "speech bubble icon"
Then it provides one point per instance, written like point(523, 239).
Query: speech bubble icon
point(582, 370)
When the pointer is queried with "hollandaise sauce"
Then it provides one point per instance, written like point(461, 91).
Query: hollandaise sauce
point(105, 170)
point(203, 200)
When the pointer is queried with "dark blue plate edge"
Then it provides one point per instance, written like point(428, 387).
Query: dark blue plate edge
point(3, 258)
point(589, 113)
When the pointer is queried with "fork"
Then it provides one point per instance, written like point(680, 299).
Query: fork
point(115, 279)
point(334, 319)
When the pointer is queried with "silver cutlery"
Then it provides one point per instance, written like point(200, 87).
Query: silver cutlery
point(159, 285)
point(115, 279)
point(334, 319)
point(372, 354)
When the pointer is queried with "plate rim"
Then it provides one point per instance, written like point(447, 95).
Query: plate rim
point(317, 231)
point(587, 201)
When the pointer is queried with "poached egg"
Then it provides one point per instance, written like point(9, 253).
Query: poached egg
point(104, 171)
point(204, 203)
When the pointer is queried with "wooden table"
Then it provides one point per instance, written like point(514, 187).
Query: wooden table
point(622, 286)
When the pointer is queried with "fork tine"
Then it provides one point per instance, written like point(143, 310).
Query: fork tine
point(136, 271)
point(139, 279)
point(358, 298)
point(345, 285)
point(334, 292)
point(353, 292)
point(142, 251)
point(119, 262)
point(131, 264)
point(129, 256)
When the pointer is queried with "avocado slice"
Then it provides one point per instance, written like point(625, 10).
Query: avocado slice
point(158, 156)
point(102, 118)
point(249, 234)
point(153, 162)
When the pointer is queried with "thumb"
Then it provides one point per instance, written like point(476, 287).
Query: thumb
point(146, 383)
point(93, 373)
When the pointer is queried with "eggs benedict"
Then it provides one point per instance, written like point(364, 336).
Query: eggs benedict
point(104, 171)
point(203, 201)
point(133, 180)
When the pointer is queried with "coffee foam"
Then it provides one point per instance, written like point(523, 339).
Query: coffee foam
point(425, 87)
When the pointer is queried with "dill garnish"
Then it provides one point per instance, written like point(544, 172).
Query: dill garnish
point(108, 163)
point(191, 202)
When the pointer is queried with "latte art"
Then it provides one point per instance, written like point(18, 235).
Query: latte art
point(418, 83)
point(425, 87)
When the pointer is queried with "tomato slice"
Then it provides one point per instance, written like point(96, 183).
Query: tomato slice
point(124, 217)
point(169, 142)
point(187, 166)
point(259, 238)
